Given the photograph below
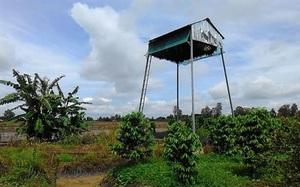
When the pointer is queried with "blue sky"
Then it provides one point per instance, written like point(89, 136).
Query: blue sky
point(100, 45)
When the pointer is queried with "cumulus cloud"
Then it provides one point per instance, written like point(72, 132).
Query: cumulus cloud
point(219, 91)
point(7, 53)
point(116, 53)
point(261, 88)
point(157, 107)
point(87, 99)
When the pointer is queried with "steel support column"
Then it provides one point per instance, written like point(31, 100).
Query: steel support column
point(177, 104)
point(227, 85)
point(192, 84)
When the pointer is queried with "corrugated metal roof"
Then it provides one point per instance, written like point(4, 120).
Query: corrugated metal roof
point(174, 46)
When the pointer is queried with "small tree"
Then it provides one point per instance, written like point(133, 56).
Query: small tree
point(217, 111)
point(180, 145)
point(8, 115)
point(284, 111)
point(206, 112)
point(294, 109)
point(135, 137)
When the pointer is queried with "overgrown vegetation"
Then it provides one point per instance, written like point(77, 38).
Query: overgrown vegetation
point(25, 168)
point(40, 164)
point(49, 114)
point(216, 171)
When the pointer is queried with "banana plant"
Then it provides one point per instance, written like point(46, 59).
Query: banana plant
point(47, 114)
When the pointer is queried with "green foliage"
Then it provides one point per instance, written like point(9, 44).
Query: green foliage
point(27, 168)
point(64, 157)
point(216, 171)
point(290, 143)
point(222, 170)
point(250, 136)
point(135, 137)
point(256, 132)
point(8, 115)
point(154, 172)
point(180, 145)
point(223, 134)
point(48, 115)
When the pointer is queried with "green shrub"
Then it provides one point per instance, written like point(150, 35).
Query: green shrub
point(180, 145)
point(291, 165)
point(223, 134)
point(250, 136)
point(135, 137)
point(255, 132)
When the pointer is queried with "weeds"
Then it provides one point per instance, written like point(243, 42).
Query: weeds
point(27, 168)
point(40, 164)
point(215, 170)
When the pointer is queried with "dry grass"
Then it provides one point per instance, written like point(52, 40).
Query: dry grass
point(98, 125)
point(161, 124)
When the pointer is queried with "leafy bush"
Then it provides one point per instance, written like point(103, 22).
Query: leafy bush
point(135, 137)
point(180, 145)
point(223, 134)
point(256, 132)
point(250, 136)
point(291, 142)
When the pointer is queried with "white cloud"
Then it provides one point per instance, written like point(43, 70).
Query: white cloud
point(155, 108)
point(219, 91)
point(261, 88)
point(7, 53)
point(105, 100)
point(87, 99)
point(117, 54)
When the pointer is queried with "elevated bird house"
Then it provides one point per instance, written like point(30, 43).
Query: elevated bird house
point(183, 46)
point(175, 46)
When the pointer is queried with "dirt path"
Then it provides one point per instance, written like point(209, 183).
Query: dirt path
point(88, 181)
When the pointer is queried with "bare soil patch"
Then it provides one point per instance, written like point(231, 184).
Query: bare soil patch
point(85, 181)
